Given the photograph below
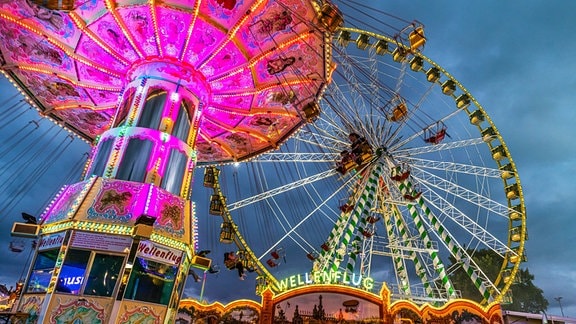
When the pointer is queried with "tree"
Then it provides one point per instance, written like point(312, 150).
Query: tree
point(526, 297)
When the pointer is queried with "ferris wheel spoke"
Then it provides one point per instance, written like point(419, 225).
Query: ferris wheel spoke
point(286, 225)
point(475, 170)
point(325, 143)
point(282, 189)
point(363, 75)
point(417, 251)
point(297, 157)
point(337, 100)
point(305, 218)
point(363, 89)
point(434, 225)
point(461, 192)
point(460, 218)
point(474, 271)
point(436, 148)
point(350, 75)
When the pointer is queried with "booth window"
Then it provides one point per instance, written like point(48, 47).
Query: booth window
point(104, 150)
point(135, 160)
point(104, 270)
point(151, 281)
point(153, 109)
point(182, 124)
point(42, 271)
point(72, 271)
point(175, 170)
point(103, 275)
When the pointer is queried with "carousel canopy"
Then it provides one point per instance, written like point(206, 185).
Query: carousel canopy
point(265, 63)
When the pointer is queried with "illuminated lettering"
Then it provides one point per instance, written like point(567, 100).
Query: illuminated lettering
point(317, 276)
point(336, 277)
point(300, 282)
point(356, 282)
point(346, 279)
point(283, 285)
point(368, 283)
point(330, 277)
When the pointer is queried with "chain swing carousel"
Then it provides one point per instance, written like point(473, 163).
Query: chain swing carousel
point(161, 88)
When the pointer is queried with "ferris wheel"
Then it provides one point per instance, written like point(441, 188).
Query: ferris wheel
point(384, 165)
point(402, 177)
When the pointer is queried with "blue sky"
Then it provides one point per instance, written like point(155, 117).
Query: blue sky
point(516, 58)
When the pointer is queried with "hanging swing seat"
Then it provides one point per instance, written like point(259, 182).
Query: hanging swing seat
point(412, 196)
point(346, 208)
point(372, 219)
point(435, 135)
point(16, 246)
point(272, 263)
point(346, 162)
point(400, 176)
point(367, 233)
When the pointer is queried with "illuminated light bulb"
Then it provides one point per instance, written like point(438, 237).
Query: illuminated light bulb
point(174, 96)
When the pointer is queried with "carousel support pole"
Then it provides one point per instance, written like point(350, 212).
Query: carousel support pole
point(203, 284)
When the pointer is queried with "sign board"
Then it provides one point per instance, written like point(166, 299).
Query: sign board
point(51, 241)
point(103, 242)
point(159, 253)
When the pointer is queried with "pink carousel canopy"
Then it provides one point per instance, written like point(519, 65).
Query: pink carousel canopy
point(263, 63)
